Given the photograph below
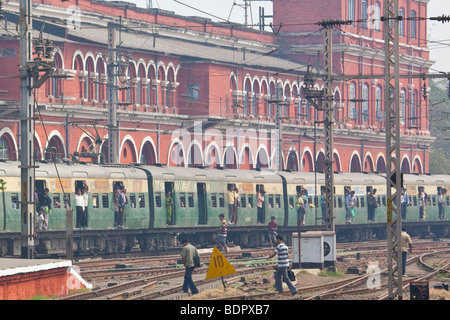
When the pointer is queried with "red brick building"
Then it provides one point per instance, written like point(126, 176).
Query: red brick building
point(201, 93)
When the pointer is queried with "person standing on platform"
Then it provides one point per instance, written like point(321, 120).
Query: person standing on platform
point(283, 265)
point(187, 254)
point(406, 244)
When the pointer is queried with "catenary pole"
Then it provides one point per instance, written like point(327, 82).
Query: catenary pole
point(393, 170)
point(26, 131)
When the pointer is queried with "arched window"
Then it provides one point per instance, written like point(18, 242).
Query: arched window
point(151, 87)
point(364, 15)
point(377, 21)
point(247, 97)
point(353, 113)
point(414, 106)
point(351, 10)
point(402, 105)
point(378, 104)
point(100, 87)
point(365, 102)
point(401, 23)
point(413, 24)
point(90, 77)
point(56, 83)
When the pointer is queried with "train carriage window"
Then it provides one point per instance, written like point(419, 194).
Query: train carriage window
point(335, 201)
point(191, 200)
point(243, 201)
point(67, 200)
point(56, 201)
point(448, 200)
point(105, 200)
point(214, 200)
point(340, 202)
point(250, 200)
point(183, 200)
point(15, 200)
point(383, 200)
point(414, 200)
point(141, 200)
point(316, 201)
point(132, 200)
point(379, 201)
point(309, 200)
point(158, 199)
point(362, 202)
point(270, 200)
point(222, 200)
point(95, 201)
point(291, 202)
point(278, 201)
point(433, 198)
point(357, 202)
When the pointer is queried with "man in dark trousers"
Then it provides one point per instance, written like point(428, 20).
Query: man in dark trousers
point(187, 254)
point(283, 265)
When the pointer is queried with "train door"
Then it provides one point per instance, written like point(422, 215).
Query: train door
point(81, 185)
point(119, 219)
point(40, 185)
point(202, 208)
point(170, 202)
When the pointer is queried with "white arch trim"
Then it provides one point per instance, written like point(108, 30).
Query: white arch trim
point(152, 143)
point(128, 137)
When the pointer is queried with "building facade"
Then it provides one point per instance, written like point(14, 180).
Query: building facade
point(192, 92)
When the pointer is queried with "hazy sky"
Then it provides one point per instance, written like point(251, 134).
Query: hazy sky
point(437, 31)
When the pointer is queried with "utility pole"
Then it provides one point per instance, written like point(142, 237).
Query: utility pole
point(111, 88)
point(393, 170)
point(278, 127)
point(328, 122)
point(26, 131)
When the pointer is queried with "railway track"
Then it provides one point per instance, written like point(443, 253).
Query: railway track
point(152, 278)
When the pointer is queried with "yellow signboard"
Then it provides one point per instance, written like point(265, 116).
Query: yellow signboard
point(219, 266)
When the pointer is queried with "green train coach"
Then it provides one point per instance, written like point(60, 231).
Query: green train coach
point(199, 196)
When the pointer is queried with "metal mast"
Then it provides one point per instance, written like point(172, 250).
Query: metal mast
point(393, 170)
point(328, 123)
point(26, 130)
point(112, 93)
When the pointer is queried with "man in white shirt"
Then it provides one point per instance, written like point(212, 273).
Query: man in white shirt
point(79, 205)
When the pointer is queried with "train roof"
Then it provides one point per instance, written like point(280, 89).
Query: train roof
point(44, 169)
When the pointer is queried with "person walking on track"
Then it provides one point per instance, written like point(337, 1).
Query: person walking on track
point(283, 265)
point(187, 254)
